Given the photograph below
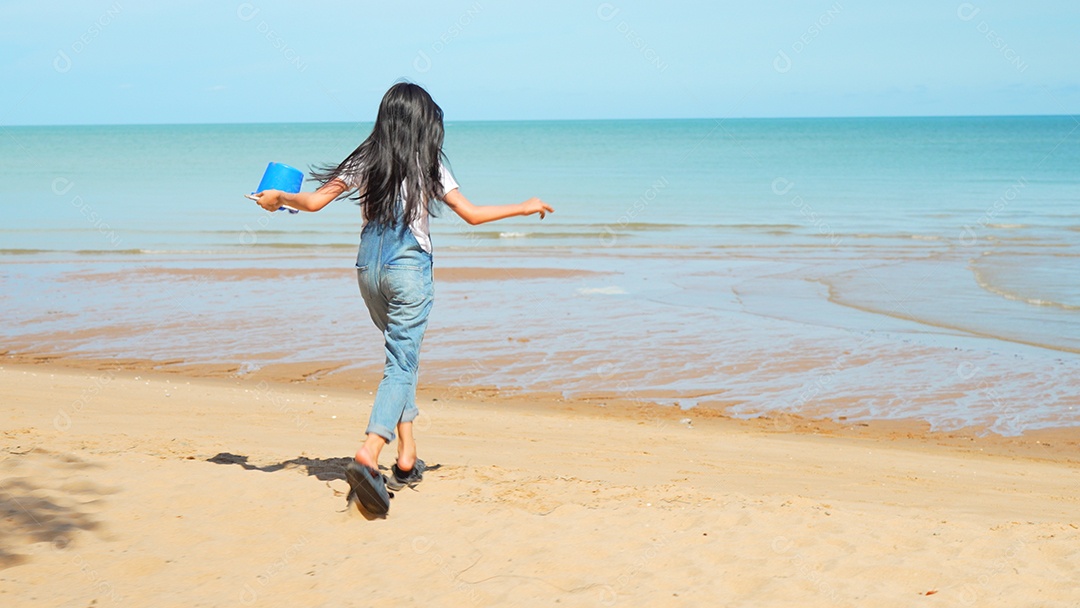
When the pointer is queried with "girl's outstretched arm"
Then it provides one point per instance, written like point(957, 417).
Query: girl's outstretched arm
point(271, 200)
point(479, 214)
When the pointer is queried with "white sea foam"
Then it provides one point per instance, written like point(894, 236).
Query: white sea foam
point(607, 291)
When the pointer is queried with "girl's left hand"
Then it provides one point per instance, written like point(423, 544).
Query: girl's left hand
point(269, 199)
point(535, 205)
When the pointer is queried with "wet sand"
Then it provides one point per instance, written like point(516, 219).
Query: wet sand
point(128, 486)
point(744, 331)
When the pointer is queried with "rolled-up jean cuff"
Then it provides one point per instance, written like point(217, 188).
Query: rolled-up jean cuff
point(381, 431)
point(410, 414)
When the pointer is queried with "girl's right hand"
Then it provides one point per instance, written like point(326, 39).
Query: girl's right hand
point(535, 205)
point(268, 199)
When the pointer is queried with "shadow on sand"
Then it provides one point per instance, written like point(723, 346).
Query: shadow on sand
point(33, 512)
point(324, 469)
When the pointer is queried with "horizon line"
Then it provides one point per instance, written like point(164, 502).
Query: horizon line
point(519, 120)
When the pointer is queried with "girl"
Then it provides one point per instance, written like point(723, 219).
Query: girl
point(395, 176)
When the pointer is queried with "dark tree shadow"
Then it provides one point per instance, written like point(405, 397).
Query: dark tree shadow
point(34, 513)
point(323, 469)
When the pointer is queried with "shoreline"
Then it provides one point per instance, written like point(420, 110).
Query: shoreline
point(1057, 444)
point(745, 335)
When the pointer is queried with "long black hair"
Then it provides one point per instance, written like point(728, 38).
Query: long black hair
point(404, 148)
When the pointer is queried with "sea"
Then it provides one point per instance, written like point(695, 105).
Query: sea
point(842, 268)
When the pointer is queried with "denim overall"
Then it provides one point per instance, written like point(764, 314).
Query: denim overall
point(394, 274)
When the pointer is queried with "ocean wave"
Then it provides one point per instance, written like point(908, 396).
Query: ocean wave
point(181, 251)
point(761, 226)
point(838, 295)
point(105, 251)
point(606, 291)
point(226, 250)
point(23, 251)
point(512, 234)
point(984, 282)
point(311, 246)
point(640, 226)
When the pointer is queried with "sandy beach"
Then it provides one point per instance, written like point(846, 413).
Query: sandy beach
point(148, 488)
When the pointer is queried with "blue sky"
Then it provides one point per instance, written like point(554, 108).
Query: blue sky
point(121, 61)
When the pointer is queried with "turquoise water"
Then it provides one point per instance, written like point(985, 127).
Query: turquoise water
point(889, 267)
point(175, 187)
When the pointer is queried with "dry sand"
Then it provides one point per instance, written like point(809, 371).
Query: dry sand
point(152, 489)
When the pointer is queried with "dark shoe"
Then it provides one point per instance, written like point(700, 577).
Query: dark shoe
point(369, 488)
point(399, 479)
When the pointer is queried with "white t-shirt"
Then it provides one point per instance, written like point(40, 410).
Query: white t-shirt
point(419, 225)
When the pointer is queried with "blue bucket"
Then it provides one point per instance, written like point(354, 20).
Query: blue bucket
point(279, 176)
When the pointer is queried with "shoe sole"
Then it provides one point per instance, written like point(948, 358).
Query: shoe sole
point(369, 490)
